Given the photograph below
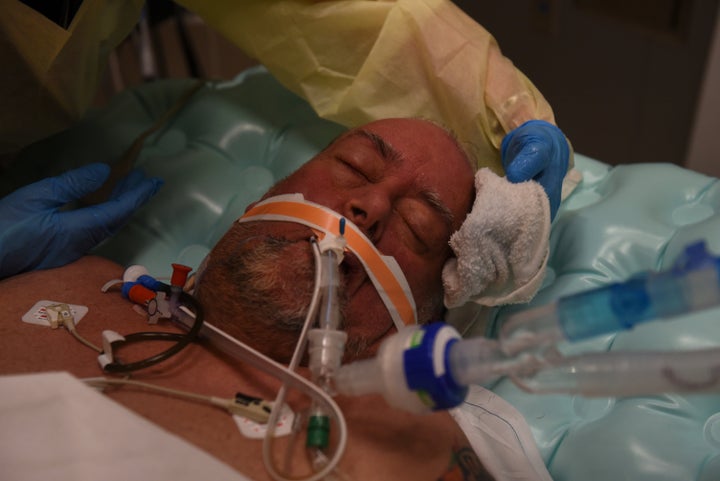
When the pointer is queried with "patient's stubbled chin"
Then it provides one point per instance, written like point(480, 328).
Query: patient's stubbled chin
point(259, 283)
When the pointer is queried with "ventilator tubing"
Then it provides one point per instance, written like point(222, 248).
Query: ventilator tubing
point(429, 367)
point(692, 284)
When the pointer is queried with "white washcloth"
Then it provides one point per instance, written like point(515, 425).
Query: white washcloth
point(502, 246)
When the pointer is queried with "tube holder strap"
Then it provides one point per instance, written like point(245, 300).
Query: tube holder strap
point(383, 271)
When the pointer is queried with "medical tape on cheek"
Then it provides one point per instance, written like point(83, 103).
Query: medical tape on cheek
point(383, 271)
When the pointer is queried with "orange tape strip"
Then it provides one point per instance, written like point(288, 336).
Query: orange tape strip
point(398, 302)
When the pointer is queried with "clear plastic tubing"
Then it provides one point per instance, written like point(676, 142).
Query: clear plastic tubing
point(329, 308)
point(477, 360)
point(613, 373)
point(242, 352)
point(628, 374)
point(326, 343)
point(615, 307)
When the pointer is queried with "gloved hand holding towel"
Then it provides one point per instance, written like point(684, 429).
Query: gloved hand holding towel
point(502, 247)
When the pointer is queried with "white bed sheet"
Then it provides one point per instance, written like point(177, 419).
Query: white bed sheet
point(52, 426)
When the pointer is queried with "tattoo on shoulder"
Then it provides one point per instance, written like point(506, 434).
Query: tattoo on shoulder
point(465, 466)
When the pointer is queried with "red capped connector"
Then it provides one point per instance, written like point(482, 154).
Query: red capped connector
point(179, 275)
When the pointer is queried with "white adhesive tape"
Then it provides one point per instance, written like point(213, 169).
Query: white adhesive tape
point(38, 313)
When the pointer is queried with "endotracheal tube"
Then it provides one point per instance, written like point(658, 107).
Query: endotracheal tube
point(326, 342)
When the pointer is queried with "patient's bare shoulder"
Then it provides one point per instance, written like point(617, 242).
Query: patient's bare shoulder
point(82, 277)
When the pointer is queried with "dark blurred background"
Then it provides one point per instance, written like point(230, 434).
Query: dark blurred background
point(629, 80)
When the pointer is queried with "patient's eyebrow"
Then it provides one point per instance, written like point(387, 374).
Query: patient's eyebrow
point(391, 155)
point(383, 147)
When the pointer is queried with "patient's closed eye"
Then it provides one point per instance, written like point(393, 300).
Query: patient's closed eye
point(414, 237)
point(354, 168)
point(349, 173)
point(364, 160)
point(423, 229)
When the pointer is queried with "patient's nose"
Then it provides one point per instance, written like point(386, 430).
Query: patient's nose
point(369, 211)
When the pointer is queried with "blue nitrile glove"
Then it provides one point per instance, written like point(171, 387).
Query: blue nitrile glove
point(36, 234)
point(537, 150)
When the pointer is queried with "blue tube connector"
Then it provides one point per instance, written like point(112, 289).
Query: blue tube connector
point(427, 367)
point(691, 285)
point(411, 370)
